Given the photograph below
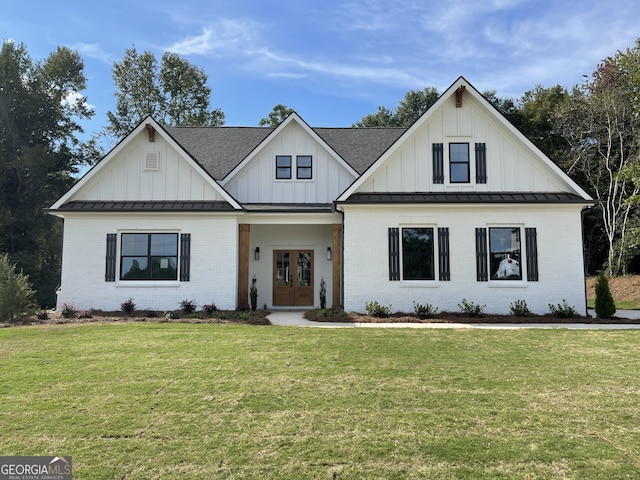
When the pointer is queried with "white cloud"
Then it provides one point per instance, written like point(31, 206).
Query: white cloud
point(225, 38)
point(93, 50)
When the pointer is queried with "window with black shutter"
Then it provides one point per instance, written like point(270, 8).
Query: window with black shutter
point(185, 257)
point(443, 254)
point(394, 254)
point(438, 163)
point(482, 274)
point(531, 240)
point(110, 261)
point(481, 163)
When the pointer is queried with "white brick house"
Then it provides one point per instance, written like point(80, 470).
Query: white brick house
point(459, 205)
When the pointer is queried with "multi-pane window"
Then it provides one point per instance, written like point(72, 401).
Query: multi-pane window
point(283, 167)
point(505, 253)
point(459, 163)
point(304, 167)
point(149, 256)
point(417, 254)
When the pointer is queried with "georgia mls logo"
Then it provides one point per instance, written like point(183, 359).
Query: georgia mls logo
point(35, 468)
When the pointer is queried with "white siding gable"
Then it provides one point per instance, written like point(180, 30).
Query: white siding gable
point(255, 179)
point(513, 163)
point(145, 168)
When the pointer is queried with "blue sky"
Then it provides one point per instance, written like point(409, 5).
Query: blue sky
point(332, 61)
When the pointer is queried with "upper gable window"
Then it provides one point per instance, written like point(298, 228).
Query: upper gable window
point(283, 167)
point(304, 170)
point(459, 163)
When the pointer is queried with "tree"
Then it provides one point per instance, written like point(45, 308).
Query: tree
point(174, 93)
point(15, 292)
point(276, 116)
point(605, 306)
point(601, 129)
point(40, 106)
point(411, 107)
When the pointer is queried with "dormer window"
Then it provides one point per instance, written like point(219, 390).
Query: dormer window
point(283, 167)
point(304, 167)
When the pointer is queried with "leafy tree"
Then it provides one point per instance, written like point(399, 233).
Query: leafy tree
point(276, 116)
point(174, 93)
point(605, 306)
point(601, 128)
point(411, 107)
point(40, 106)
point(507, 106)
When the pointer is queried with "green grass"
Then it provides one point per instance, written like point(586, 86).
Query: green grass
point(624, 305)
point(205, 401)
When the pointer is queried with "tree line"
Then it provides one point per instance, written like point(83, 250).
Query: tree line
point(590, 130)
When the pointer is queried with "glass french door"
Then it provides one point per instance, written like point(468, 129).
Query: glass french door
point(292, 277)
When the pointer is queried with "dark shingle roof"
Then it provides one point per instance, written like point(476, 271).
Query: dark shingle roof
point(144, 206)
point(220, 149)
point(475, 197)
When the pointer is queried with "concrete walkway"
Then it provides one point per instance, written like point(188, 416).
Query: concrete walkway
point(294, 318)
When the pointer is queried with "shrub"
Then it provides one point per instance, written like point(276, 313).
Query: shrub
point(152, 314)
point(128, 306)
point(253, 294)
point(15, 292)
point(68, 311)
point(210, 308)
point(374, 309)
point(563, 310)
point(519, 308)
point(424, 311)
point(85, 314)
point(605, 306)
point(471, 309)
point(42, 315)
point(188, 306)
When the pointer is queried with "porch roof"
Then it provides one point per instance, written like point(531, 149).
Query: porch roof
point(288, 207)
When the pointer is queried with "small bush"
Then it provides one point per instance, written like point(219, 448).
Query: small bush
point(519, 308)
point(323, 294)
point(15, 292)
point(210, 308)
point(605, 306)
point(42, 315)
point(68, 311)
point(471, 309)
point(152, 314)
point(374, 309)
point(563, 310)
point(424, 311)
point(85, 314)
point(128, 306)
point(188, 306)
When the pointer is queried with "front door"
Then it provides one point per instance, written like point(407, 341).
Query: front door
point(292, 277)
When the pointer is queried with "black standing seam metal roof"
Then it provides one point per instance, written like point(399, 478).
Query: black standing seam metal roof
point(472, 197)
point(146, 206)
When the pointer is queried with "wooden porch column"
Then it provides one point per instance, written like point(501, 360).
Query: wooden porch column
point(337, 265)
point(243, 266)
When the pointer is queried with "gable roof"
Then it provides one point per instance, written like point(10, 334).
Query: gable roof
point(221, 149)
point(467, 88)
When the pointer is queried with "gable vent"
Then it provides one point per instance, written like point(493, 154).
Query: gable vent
point(152, 161)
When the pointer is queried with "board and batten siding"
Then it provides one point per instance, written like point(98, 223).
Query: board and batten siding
point(511, 165)
point(126, 177)
point(560, 263)
point(257, 183)
point(213, 266)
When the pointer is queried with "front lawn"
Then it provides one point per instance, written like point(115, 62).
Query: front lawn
point(203, 401)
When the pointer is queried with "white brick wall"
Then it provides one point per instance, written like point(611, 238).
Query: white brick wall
point(214, 242)
point(560, 261)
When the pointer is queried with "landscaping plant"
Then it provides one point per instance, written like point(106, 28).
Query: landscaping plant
point(605, 306)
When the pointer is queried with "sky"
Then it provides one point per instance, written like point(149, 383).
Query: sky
point(332, 61)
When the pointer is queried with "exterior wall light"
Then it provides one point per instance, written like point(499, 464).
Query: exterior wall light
point(328, 253)
point(256, 253)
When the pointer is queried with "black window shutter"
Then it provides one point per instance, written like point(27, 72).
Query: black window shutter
point(185, 257)
point(481, 163)
point(443, 253)
point(482, 273)
point(110, 261)
point(394, 254)
point(438, 163)
point(531, 239)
